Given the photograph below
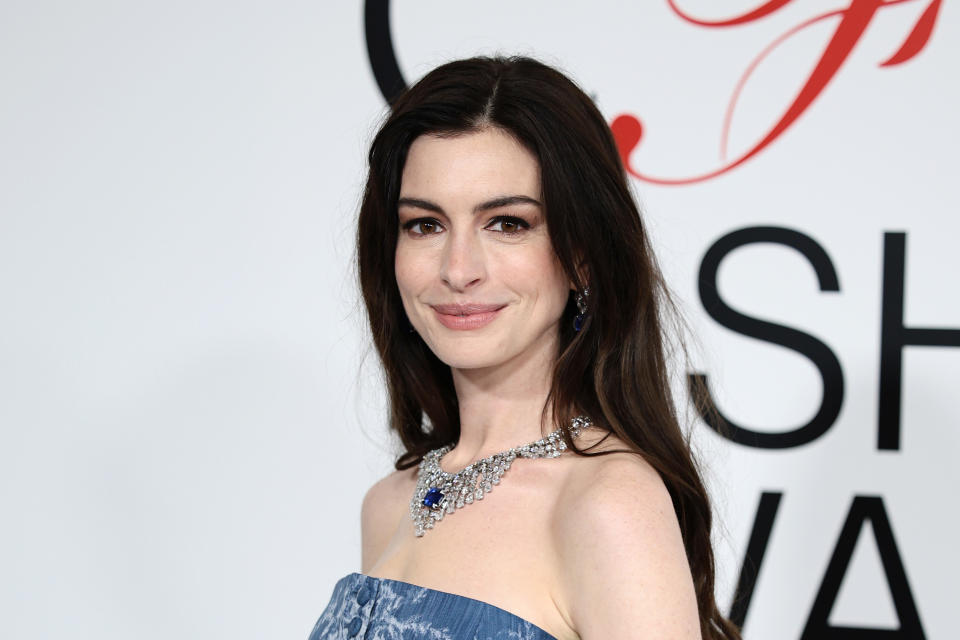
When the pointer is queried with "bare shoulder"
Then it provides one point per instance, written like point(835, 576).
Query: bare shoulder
point(384, 505)
point(624, 571)
point(621, 479)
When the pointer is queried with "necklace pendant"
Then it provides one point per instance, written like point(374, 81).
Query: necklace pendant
point(433, 498)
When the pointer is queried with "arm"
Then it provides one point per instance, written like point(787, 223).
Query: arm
point(624, 569)
point(384, 505)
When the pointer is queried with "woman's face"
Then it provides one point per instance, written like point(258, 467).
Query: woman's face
point(476, 271)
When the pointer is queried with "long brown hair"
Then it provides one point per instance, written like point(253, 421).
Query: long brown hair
point(615, 370)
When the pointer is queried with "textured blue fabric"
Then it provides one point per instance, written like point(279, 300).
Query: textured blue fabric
point(368, 608)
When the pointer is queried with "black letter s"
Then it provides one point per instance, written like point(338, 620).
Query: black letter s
point(818, 353)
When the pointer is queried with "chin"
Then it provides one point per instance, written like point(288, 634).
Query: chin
point(478, 357)
point(463, 361)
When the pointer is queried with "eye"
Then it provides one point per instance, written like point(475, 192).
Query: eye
point(509, 225)
point(422, 226)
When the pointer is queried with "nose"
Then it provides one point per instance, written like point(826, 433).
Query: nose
point(463, 262)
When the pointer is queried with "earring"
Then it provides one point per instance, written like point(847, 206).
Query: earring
point(581, 308)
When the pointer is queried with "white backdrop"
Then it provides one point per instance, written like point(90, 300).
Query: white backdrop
point(191, 411)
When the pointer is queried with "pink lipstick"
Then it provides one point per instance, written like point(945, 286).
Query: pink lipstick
point(466, 316)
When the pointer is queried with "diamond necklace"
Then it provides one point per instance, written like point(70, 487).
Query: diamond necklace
point(439, 492)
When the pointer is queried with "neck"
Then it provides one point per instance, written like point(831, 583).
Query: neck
point(502, 407)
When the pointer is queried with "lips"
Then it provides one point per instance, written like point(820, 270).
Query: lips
point(466, 309)
point(468, 316)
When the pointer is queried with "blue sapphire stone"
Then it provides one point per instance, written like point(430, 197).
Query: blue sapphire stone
point(578, 322)
point(433, 497)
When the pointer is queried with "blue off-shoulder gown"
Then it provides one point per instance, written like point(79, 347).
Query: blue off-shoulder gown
point(369, 608)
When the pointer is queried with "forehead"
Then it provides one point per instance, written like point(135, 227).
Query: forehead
point(490, 162)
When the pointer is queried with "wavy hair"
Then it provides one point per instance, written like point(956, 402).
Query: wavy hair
point(615, 370)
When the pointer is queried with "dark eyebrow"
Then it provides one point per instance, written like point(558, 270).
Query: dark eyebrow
point(496, 203)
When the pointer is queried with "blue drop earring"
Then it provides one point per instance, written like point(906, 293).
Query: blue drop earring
point(581, 309)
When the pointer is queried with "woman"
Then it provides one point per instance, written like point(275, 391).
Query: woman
point(514, 300)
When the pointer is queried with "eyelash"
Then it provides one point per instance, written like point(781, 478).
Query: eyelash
point(519, 222)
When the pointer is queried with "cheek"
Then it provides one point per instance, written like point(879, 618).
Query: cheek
point(559, 283)
point(538, 273)
point(409, 270)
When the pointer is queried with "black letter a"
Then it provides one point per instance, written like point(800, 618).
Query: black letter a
point(864, 508)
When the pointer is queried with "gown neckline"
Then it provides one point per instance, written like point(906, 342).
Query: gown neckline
point(454, 595)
